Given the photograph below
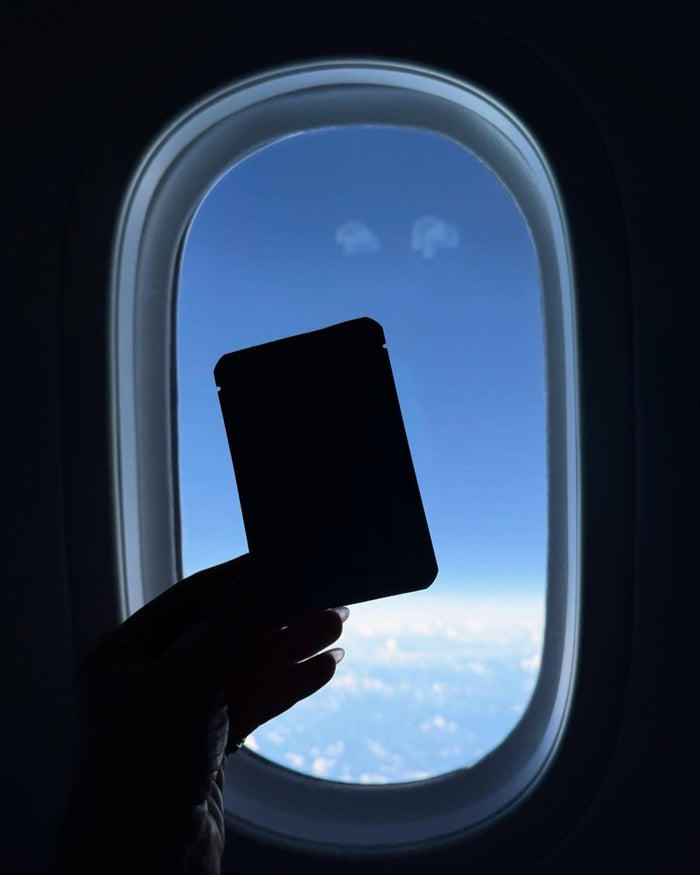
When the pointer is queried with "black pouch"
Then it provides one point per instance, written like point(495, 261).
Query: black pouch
point(323, 467)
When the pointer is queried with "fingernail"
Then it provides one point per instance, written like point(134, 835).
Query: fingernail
point(337, 653)
point(343, 612)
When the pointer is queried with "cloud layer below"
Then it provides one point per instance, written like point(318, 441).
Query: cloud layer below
point(428, 684)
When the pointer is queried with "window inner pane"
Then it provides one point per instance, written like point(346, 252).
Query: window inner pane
point(411, 229)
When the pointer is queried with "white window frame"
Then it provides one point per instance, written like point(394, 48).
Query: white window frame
point(173, 178)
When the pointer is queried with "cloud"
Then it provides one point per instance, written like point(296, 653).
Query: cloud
point(430, 234)
point(532, 663)
point(416, 776)
point(349, 682)
point(438, 722)
point(355, 237)
point(377, 748)
point(438, 692)
point(424, 673)
point(335, 749)
point(368, 778)
point(321, 766)
point(251, 743)
point(454, 750)
point(457, 634)
point(274, 736)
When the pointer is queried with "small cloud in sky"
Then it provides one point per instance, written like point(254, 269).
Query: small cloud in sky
point(531, 664)
point(368, 778)
point(438, 692)
point(438, 722)
point(377, 748)
point(420, 628)
point(296, 759)
point(351, 683)
point(355, 237)
point(321, 766)
point(454, 750)
point(416, 776)
point(430, 234)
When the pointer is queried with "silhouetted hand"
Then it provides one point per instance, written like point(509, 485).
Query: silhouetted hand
point(165, 696)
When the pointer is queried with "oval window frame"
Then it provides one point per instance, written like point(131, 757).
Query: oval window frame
point(174, 176)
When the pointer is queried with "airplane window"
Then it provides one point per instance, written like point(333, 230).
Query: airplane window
point(321, 192)
point(410, 228)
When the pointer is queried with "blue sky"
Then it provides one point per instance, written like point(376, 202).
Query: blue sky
point(410, 229)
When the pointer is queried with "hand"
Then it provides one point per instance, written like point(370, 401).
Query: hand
point(206, 662)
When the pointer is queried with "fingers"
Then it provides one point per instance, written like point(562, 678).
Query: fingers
point(246, 626)
point(271, 697)
point(304, 637)
point(256, 602)
point(280, 678)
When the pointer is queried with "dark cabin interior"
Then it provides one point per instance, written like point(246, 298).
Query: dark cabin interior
point(86, 88)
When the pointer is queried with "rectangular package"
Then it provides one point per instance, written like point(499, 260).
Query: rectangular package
point(323, 467)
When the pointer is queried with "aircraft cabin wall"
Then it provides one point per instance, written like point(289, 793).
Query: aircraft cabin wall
point(75, 77)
